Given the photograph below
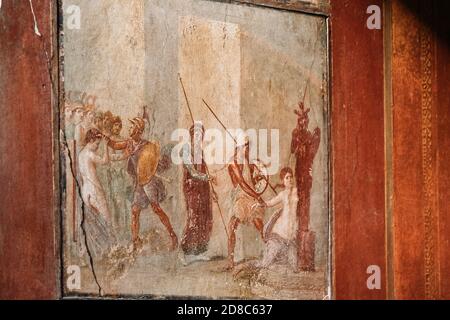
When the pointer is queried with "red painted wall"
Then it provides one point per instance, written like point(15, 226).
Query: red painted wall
point(358, 160)
point(28, 249)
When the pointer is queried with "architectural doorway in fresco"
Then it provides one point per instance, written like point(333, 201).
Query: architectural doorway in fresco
point(196, 150)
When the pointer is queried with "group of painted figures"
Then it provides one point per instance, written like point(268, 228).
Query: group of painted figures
point(139, 161)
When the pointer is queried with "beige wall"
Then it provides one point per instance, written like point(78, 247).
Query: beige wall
point(106, 56)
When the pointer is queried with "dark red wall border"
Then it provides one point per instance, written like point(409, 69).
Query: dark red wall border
point(443, 109)
point(421, 157)
point(358, 151)
point(407, 162)
point(28, 233)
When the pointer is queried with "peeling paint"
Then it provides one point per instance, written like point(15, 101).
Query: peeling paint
point(36, 29)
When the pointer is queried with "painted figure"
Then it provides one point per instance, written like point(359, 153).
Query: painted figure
point(280, 232)
point(98, 223)
point(79, 126)
point(143, 158)
point(304, 146)
point(146, 117)
point(91, 190)
point(242, 176)
point(69, 125)
point(116, 178)
point(198, 197)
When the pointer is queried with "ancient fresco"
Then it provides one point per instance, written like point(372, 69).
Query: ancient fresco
point(195, 149)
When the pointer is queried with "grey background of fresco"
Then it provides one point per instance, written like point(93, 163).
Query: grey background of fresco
point(128, 54)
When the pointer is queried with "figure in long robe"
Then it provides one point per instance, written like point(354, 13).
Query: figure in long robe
point(198, 197)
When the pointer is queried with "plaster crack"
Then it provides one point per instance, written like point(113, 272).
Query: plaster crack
point(83, 215)
point(48, 59)
point(36, 29)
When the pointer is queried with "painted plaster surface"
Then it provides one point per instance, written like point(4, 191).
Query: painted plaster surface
point(253, 66)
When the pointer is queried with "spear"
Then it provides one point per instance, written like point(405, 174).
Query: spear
point(216, 200)
point(221, 123)
point(309, 72)
point(217, 118)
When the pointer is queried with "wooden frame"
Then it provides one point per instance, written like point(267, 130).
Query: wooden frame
point(297, 6)
point(321, 8)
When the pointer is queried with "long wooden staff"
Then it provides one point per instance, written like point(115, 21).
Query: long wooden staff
point(306, 89)
point(216, 199)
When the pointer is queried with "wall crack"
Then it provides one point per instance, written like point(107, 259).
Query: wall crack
point(36, 29)
point(83, 215)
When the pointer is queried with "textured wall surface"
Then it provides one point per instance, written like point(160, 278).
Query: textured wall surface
point(420, 157)
point(105, 57)
point(358, 150)
point(29, 251)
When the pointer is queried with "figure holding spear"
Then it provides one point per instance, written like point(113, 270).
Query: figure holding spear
point(198, 188)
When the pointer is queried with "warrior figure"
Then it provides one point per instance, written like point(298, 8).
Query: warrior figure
point(143, 158)
point(245, 209)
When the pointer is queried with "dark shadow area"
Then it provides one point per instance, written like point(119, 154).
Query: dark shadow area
point(433, 13)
